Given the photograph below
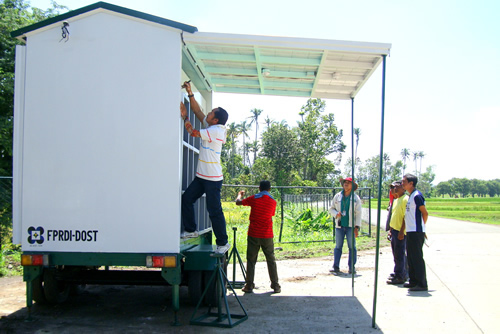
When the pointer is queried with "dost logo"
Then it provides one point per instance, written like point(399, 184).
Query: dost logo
point(35, 235)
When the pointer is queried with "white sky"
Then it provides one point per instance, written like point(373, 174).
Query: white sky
point(442, 77)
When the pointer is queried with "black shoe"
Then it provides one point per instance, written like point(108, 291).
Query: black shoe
point(350, 272)
point(409, 285)
point(418, 288)
point(396, 281)
point(335, 270)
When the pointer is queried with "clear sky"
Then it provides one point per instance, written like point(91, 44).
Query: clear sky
point(443, 74)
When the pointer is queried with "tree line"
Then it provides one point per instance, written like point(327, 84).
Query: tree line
point(462, 187)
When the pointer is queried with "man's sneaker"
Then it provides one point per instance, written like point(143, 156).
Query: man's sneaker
point(276, 287)
point(335, 270)
point(350, 272)
point(188, 235)
point(248, 288)
point(409, 285)
point(222, 249)
point(418, 288)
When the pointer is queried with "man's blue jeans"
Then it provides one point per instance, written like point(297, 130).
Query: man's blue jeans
point(399, 253)
point(340, 234)
point(212, 189)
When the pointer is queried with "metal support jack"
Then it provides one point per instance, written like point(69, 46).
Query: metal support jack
point(235, 254)
point(219, 319)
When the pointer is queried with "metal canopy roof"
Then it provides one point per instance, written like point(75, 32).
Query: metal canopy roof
point(282, 65)
point(260, 64)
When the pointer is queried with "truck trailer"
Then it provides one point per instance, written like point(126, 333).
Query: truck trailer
point(101, 157)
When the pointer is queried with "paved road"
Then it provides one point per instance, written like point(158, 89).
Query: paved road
point(462, 267)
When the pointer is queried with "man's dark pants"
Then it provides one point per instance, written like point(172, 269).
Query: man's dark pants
point(416, 271)
point(253, 246)
point(212, 189)
point(399, 253)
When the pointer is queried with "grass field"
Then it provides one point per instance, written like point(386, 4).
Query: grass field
point(295, 244)
point(480, 210)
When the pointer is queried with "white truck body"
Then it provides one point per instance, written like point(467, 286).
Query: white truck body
point(98, 140)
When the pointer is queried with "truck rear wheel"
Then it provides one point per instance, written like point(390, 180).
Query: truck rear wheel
point(211, 295)
point(55, 291)
point(37, 290)
point(195, 286)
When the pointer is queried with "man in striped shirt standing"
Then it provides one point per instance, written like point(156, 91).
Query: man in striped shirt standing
point(209, 176)
point(260, 234)
point(415, 220)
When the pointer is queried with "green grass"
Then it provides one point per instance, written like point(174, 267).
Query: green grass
point(294, 244)
point(484, 210)
point(10, 261)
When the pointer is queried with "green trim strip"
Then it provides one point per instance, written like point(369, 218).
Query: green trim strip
point(108, 6)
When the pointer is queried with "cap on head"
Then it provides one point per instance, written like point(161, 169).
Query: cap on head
point(355, 185)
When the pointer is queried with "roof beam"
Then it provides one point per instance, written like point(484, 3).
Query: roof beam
point(332, 64)
point(232, 71)
point(268, 92)
point(271, 60)
point(259, 69)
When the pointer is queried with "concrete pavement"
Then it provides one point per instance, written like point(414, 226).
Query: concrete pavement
point(462, 266)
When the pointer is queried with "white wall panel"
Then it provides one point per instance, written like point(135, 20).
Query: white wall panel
point(102, 137)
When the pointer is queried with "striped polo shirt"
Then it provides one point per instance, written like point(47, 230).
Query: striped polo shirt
point(261, 216)
point(212, 139)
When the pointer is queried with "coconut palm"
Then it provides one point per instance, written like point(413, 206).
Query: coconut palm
point(244, 127)
point(357, 132)
point(421, 155)
point(233, 131)
point(268, 121)
point(255, 119)
point(415, 158)
point(405, 154)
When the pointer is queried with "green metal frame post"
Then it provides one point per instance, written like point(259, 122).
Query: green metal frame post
point(381, 169)
point(236, 255)
point(352, 198)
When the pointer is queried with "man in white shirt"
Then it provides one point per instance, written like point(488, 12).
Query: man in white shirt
point(209, 176)
point(415, 220)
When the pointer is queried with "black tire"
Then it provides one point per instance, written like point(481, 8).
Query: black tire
point(55, 291)
point(76, 289)
point(37, 291)
point(195, 286)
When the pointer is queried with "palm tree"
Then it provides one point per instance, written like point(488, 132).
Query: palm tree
point(421, 155)
point(415, 157)
point(387, 161)
point(268, 121)
point(244, 127)
point(255, 119)
point(357, 132)
point(233, 131)
point(405, 154)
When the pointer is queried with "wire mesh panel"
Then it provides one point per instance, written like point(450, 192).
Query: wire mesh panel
point(302, 212)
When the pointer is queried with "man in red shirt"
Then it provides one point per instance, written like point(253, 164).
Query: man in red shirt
point(260, 234)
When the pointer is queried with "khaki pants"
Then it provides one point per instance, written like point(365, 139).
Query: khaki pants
point(253, 247)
